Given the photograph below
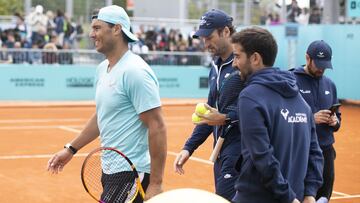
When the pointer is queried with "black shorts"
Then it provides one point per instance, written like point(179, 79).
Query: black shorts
point(115, 193)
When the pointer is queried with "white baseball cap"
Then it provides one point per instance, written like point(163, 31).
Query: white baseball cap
point(39, 9)
point(116, 15)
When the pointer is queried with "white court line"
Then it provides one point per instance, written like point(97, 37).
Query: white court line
point(77, 131)
point(194, 158)
point(340, 193)
point(169, 152)
point(346, 197)
point(69, 129)
point(25, 127)
point(43, 156)
point(42, 120)
point(38, 156)
point(31, 127)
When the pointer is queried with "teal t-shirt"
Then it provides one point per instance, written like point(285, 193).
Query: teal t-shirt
point(129, 89)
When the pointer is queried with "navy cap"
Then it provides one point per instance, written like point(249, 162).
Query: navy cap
point(212, 20)
point(321, 53)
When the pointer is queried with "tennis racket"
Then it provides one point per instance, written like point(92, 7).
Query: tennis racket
point(220, 142)
point(110, 177)
point(232, 86)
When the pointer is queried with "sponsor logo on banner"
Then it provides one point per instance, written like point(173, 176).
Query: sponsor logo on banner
point(81, 82)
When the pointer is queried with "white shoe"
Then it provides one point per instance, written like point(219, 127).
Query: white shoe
point(322, 200)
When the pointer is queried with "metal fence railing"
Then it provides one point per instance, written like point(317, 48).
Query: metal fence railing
point(40, 56)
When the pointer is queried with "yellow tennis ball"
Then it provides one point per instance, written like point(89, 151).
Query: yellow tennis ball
point(195, 118)
point(200, 108)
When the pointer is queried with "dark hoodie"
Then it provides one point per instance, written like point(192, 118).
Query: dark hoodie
point(319, 93)
point(282, 158)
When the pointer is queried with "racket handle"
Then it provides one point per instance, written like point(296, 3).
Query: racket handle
point(141, 190)
point(217, 149)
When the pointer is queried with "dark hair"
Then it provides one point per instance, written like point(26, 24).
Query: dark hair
point(94, 12)
point(59, 12)
point(256, 39)
point(231, 28)
point(125, 38)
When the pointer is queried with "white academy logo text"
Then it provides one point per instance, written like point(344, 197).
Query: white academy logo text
point(297, 118)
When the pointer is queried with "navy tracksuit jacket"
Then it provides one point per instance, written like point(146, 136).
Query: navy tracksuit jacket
point(319, 94)
point(282, 159)
point(225, 85)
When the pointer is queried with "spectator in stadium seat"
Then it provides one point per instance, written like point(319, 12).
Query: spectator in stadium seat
point(65, 57)
point(293, 11)
point(38, 23)
point(79, 34)
point(49, 54)
point(303, 18)
point(35, 54)
point(59, 25)
point(5, 57)
point(315, 16)
point(51, 24)
point(55, 40)
point(10, 39)
point(69, 31)
point(19, 56)
point(22, 29)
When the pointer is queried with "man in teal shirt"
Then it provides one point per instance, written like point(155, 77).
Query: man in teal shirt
point(128, 109)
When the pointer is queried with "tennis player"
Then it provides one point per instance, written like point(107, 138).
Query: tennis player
point(224, 81)
point(282, 159)
point(128, 110)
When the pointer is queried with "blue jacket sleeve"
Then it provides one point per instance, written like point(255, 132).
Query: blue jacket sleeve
point(233, 115)
point(313, 179)
point(338, 113)
point(200, 132)
point(255, 137)
point(199, 135)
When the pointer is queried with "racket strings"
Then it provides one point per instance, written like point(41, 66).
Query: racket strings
point(92, 175)
point(119, 187)
point(110, 178)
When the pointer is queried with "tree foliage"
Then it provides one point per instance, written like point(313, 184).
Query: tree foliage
point(9, 7)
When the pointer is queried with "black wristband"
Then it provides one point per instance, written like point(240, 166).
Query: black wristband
point(71, 148)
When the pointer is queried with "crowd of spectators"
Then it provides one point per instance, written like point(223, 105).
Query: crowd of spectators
point(295, 14)
point(42, 34)
point(159, 39)
point(40, 31)
point(47, 33)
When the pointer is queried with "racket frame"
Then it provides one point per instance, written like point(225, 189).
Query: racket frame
point(139, 187)
point(220, 141)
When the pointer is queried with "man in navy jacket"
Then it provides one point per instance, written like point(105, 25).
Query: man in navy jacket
point(282, 160)
point(225, 84)
point(320, 93)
